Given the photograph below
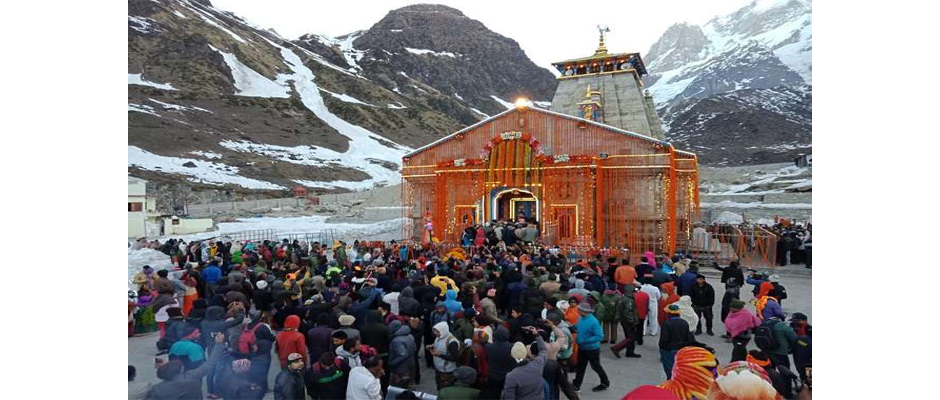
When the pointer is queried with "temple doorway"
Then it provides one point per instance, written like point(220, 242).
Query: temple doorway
point(513, 203)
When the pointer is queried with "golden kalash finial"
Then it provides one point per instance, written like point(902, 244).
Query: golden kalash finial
point(601, 49)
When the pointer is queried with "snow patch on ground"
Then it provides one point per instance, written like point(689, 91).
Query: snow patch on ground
point(385, 230)
point(347, 98)
point(432, 52)
point(458, 96)
point(543, 104)
point(728, 217)
point(249, 82)
point(168, 106)
point(207, 154)
point(141, 109)
point(137, 79)
point(398, 106)
point(204, 171)
point(136, 259)
point(350, 185)
point(757, 204)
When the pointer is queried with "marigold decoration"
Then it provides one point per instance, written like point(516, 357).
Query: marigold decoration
point(638, 197)
point(742, 380)
point(692, 374)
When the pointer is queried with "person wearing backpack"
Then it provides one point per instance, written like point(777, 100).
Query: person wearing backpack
point(783, 340)
point(625, 307)
point(327, 378)
point(256, 342)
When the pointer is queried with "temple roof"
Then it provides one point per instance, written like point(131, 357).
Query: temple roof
point(536, 109)
point(599, 56)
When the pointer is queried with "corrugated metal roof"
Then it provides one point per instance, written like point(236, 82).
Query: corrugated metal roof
point(541, 110)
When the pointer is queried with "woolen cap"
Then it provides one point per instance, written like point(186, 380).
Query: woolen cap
point(518, 351)
point(586, 307)
point(346, 320)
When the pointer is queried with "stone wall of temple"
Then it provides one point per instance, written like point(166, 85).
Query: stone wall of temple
point(624, 104)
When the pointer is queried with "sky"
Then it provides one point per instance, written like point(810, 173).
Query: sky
point(547, 31)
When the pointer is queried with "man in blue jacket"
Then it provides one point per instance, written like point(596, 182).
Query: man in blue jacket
point(212, 275)
point(590, 335)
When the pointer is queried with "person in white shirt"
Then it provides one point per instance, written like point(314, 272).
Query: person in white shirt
point(364, 381)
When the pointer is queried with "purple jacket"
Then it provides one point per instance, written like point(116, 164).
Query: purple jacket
point(772, 309)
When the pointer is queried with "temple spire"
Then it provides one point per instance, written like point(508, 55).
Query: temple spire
point(601, 48)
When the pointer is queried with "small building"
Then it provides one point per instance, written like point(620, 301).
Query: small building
point(141, 210)
point(143, 220)
point(182, 226)
point(300, 192)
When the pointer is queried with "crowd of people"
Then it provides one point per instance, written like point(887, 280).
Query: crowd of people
point(794, 243)
point(492, 319)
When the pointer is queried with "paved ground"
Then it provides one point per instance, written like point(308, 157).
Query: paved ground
point(625, 374)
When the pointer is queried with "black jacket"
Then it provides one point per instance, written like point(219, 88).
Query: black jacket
point(376, 333)
point(289, 386)
point(675, 334)
point(326, 383)
point(731, 272)
point(263, 300)
point(215, 322)
point(703, 296)
point(498, 357)
point(407, 304)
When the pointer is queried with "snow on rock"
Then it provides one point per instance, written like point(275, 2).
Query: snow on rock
point(168, 106)
point(543, 104)
point(431, 52)
point(398, 106)
point(458, 96)
point(137, 79)
point(347, 98)
point(200, 171)
point(503, 103)
point(140, 24)
point(141, 109)
point(480, 112)
point(136, 259)
point(249, 82)
point(345, 46)
point(363, 144)
point(207, 154)
point(211, 20)
point(728, 217)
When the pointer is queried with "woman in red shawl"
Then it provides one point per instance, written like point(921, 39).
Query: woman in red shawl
point(671, 297)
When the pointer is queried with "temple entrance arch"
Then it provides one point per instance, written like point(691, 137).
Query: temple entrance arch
point(509, 203)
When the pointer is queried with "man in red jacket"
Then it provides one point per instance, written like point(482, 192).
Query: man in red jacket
point(290, 341)
point(642, 300)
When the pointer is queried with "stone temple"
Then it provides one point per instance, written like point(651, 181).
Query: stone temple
point(607, 88)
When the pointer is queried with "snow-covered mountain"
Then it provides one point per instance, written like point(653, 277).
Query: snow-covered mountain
point(220, 103)
point(772, 38)
point(730, 67)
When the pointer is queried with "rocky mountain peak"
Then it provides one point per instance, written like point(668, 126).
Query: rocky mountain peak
point(681, 44)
